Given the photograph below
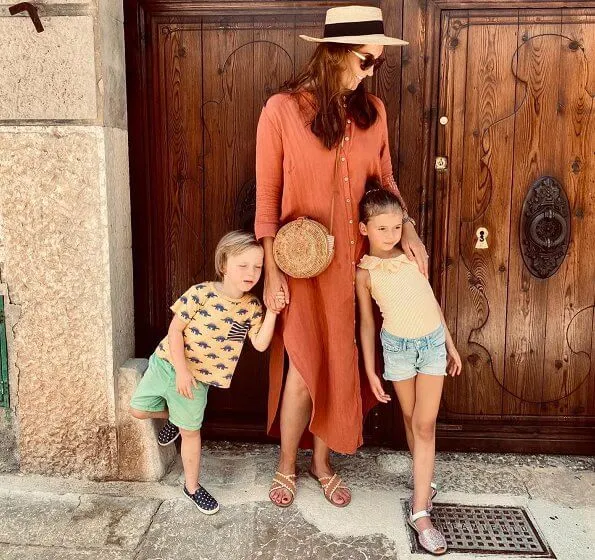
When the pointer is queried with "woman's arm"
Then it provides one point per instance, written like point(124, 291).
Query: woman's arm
point(274, 280)
point(367, 333)
point(269, 193)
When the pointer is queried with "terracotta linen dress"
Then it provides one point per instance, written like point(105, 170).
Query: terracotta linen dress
point(296, 175)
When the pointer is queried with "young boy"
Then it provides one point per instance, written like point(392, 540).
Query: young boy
point(203, 344)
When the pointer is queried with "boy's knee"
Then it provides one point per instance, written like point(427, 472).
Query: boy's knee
point(189, 434)
point(140, 414)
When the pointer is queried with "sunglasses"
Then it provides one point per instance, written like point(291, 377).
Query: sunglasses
point(368, 60)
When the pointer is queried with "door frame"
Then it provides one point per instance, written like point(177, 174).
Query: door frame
point(568, 435)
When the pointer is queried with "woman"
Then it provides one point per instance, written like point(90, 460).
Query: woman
point(318, 141)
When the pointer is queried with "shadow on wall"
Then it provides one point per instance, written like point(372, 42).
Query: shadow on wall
point(8, 445)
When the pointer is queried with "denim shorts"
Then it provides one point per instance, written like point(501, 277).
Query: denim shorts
point(404, 358)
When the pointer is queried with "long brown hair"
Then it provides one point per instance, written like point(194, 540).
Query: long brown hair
point(322, 77)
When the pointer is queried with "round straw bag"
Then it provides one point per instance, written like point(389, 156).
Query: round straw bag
point(303, 248)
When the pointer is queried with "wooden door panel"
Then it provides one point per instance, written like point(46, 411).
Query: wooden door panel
point(210, 77)
point(545, 367)
point(178, 206)
point(485, 149)
point(571, 293)
point(537, 67)
point(519, 98)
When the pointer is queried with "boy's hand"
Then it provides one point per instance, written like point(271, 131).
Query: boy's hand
point(280, 301)
point(455, 365)
point(184, 383)
point(378, 389)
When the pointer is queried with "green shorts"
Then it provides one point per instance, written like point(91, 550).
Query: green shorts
point(157, 391)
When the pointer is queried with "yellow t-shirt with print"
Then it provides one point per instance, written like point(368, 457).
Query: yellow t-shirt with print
point(216, 327)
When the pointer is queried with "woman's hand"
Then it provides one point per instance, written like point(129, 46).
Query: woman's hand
point(378, 389)
point(455, 365)
point(414, 248)
point(184, 383)
point(276, 289)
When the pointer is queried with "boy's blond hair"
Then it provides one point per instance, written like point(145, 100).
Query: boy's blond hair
point(232, 243)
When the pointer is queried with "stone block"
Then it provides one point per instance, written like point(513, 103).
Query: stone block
point(112, 71)
point(49, 75)
point(55, 233)
point(117, 192)
point(139, 455)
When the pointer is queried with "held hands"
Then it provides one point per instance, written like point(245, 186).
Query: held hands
point(378, 389)
point(276, 290)
point(455, 365)
point(414, 248)
point(184, 383)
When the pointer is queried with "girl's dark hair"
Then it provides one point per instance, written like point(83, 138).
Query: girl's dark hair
point(377, 200)
point(322, 77)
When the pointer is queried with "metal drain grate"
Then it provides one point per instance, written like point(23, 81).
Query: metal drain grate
point(486, 529)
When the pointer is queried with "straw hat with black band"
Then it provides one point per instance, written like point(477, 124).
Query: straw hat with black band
point(355, 25)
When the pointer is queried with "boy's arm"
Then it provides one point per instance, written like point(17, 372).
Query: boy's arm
point(263, 337)
point(175, 337)
point(367, 332)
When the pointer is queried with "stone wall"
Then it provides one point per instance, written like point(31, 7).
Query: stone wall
point(65, 240)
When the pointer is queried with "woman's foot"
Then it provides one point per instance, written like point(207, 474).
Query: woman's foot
point(279, 494)
point(325, 475)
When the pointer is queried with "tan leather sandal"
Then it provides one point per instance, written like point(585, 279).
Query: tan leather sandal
point(329, 485)
point(283, 481)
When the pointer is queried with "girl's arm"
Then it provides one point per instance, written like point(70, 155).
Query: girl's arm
point(367, 333)
point(263, 337)
point(175, 337)
point(455, 365)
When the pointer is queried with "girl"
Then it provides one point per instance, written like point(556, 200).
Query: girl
point(415, 341)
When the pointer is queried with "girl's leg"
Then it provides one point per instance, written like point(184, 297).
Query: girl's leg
point(296, 409)
point(191, 458)
point(321, 467)
point(143, 414)
point(405, 391)
point(428, 392)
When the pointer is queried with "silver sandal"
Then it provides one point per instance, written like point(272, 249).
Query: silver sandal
point(430, 539)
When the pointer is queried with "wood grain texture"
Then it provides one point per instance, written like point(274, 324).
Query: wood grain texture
point(410, 158)
point(536, 154)
point(571, 291)
point(485, 194)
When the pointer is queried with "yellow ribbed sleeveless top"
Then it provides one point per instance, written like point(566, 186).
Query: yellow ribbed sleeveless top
point(404, 296)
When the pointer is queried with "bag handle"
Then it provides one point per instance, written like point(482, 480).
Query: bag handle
point(330, 228)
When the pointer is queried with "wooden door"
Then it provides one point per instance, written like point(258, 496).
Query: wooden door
point(515, 223)
point(198, 77)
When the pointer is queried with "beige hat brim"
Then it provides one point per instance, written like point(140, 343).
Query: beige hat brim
point(357, 40)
